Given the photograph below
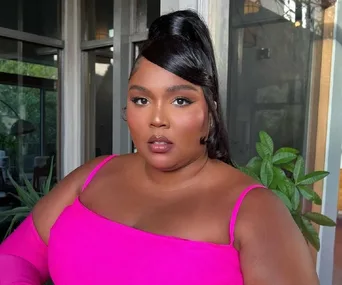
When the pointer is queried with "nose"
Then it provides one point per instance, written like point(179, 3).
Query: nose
point(159, 117)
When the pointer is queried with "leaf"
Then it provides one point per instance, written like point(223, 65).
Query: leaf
point(288, 167)
point(23, 194)
point(283, 157)
point(249, 172)
point(255, 165)
point(31, 191)
point(266, 173)
point(16, 218)
point(47, 184)
point(310, 233)
point(288, 150)
point(14, 211)
point(309, 194)
point(267, 141)
point(298, 171)
point(284, 198)
point(262, 150)
point(312, 177)
point(287, 187)
point(320, 219)
point(295, 200)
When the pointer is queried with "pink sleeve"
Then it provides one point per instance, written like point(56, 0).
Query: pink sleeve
point(23, 256)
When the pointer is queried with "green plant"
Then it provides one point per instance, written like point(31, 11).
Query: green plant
point(283, 172)
point(28, 197)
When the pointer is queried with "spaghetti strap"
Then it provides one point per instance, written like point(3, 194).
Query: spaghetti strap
point(96, 169)
point(237, 208)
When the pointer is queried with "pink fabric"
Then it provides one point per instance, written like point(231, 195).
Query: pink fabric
point(86, 248)
point(23, 256)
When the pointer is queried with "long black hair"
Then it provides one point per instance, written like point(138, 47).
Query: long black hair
point(180, 43)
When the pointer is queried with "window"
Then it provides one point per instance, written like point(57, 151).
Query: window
point(270, 74)
point(28, 115)
point(38, 17)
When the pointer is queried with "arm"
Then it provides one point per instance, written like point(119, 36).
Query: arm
point(23, 255)
point(272, 248)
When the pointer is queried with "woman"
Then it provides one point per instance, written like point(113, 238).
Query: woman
point(176, 212)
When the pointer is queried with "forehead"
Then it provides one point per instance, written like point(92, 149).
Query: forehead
point(152, 76)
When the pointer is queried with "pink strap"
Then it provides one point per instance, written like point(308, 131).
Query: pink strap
point(237, 208)
point(96, 169)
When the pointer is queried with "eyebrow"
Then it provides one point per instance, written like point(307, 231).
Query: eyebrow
point(170, 89)
point(176, 88)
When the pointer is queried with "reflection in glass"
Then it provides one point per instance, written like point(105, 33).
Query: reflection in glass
point(101, 92)
point(146, 12)
point(98, 18)
point(39, 17)
point(271, 46)
point(28, 115)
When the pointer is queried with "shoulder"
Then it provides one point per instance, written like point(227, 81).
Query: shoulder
point(47, 210)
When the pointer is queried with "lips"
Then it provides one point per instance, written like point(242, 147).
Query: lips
point(159, 144)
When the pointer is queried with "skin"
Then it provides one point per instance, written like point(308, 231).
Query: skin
point(184, 193)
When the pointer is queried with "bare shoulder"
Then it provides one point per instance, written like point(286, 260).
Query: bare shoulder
point(63, 194)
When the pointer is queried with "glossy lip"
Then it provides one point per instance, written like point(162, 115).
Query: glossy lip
point(155, 138)
point(159, 148)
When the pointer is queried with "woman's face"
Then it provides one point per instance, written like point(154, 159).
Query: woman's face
point(167, 116)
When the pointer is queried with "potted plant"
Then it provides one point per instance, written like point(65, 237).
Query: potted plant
point(28, 197)
point(283, 172)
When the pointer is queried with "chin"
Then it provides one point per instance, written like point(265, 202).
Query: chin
point(162, 162)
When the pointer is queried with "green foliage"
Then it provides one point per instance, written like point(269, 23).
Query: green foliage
point(283, 172)
point(28, 198)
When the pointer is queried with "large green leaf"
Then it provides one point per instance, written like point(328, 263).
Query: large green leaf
point(298, 171)
point(255, 165)
point(309, 194)
point(320, 219)
point(288, 149)
point(295, 199)
point(262, 150)
point(310, 233)
point(266, 172)
point(312, 177)
point(283, 157)
point(266, 140)
point(284, 198)
point(249, 172)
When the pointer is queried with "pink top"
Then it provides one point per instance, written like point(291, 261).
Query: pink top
point(86, 248)
point(96, 250)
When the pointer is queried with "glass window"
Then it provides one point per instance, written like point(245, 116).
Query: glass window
point(271, 59)
point(28, 115)
point(101, 99)
point(98, 18)
point(39, 17)
point(146, 12)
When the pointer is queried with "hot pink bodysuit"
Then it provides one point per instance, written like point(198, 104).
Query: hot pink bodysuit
point(86, 248)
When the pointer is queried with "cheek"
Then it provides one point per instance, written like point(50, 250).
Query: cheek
point(135, 123)
point(193, 122)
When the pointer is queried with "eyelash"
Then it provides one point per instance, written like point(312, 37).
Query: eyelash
point(187, 101)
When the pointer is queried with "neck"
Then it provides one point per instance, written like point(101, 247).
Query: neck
point(179, 175)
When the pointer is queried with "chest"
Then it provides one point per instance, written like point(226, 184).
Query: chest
point(87, 249)
point(191, 214)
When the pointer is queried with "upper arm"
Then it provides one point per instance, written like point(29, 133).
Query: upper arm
point(272, 248)
point(47, 210)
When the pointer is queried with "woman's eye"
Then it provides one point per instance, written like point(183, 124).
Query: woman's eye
point(181, 102)
point(140, 101)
